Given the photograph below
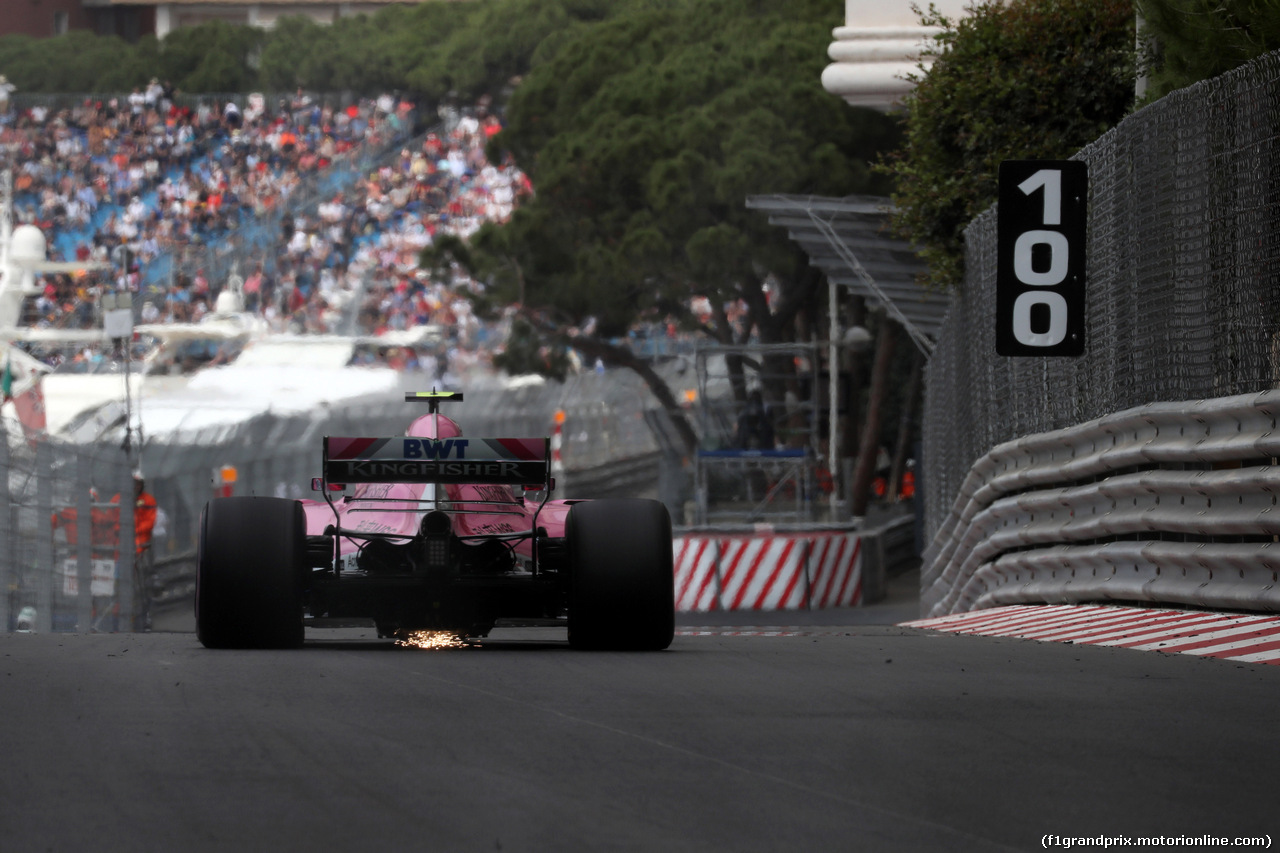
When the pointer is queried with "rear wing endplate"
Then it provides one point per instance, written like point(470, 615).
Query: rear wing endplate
point(405, 459)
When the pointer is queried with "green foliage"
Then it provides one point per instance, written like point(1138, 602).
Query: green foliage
point(363, 53)
point(526, 352)
point(434, 49)
point(1027, 79)
point(497, 44)
point(211, 57)
point(1186, 41)
point(645, 133)
point(293, 56)
point(76, 62)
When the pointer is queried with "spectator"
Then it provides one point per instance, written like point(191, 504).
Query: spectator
point(6, 90)
point(145, 513)
point(153, 93)
point(137, 103)
point(105, 519)
point(181, 179)
point(755, 425)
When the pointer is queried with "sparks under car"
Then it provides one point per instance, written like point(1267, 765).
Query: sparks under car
point(435, 531)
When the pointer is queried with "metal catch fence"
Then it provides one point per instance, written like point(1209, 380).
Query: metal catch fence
point(60, 532)
point(1183, 283)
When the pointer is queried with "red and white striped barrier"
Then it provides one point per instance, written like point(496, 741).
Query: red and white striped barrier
point(773, 571)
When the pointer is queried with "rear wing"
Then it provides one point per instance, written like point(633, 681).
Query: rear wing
point(405, 459)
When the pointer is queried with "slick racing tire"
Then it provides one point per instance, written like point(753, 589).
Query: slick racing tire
point(621, 584)
point(250, 570)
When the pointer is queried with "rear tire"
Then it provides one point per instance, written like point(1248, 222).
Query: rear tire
point(250, 570)
point(621, 583)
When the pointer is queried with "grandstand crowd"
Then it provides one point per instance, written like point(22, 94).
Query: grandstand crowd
point(128, 182)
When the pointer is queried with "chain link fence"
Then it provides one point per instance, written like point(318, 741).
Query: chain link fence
point(1182, 289)
point(60, 532)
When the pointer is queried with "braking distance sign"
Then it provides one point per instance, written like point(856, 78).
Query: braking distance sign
point(1041, 225)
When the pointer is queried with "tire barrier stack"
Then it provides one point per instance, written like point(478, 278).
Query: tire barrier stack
point(768, 570)
point(1170, 502)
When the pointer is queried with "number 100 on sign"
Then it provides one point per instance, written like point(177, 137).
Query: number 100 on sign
point(1041, 227)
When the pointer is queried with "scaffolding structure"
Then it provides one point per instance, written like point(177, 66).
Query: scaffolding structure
point(740, 483)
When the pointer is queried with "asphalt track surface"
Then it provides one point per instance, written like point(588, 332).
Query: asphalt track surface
point(838, 737)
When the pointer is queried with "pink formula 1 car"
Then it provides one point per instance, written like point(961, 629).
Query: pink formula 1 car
point(435, 531)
